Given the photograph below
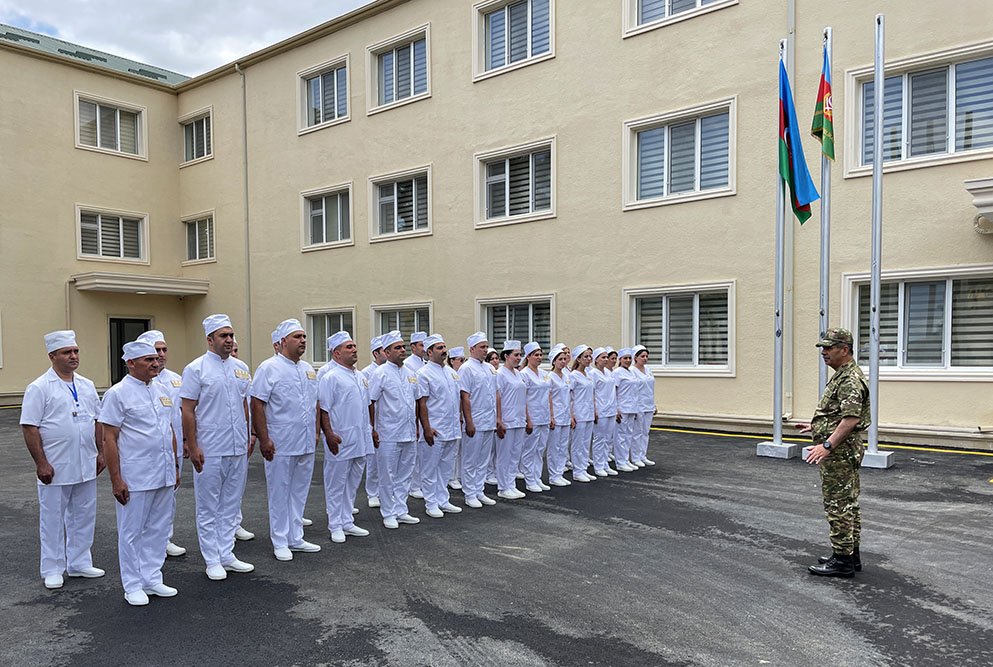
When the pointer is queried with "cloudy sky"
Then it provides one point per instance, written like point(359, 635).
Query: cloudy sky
point(186, 36)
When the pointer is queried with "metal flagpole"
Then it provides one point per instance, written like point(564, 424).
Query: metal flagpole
point(825, 232)
point(874, 458)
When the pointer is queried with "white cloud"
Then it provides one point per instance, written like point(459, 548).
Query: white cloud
point(186, 36)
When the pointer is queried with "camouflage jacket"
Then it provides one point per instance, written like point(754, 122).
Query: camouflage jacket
point(846, 395)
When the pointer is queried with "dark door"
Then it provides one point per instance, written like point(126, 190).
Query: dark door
point(123, 330)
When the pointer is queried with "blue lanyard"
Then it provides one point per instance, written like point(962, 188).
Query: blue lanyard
point(72, 390)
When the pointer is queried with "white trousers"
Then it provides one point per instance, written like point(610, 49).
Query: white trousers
point(457, 462)
point(287, 483)
point(415, 472)
point(66, 516)
point(624, 438)
point(396, 465)
point(604, 434)
point(533, 455)
point(508, 458)
point(341, 483)
point(218, 489)
point(491, 465)
point(436, 467)
point(579, 445)
point(645, 422)
point(558, 450)
point(142, 533)
point(372, 476)
point(475, 459)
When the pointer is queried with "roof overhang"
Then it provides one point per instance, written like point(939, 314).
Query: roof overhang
point(130, 283)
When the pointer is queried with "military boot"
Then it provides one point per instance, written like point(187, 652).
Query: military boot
point(856, 559)
point(837, 566)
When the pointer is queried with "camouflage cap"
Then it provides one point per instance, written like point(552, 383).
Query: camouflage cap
point(836, 336)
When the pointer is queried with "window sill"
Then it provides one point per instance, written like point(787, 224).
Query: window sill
point(921, 162)
point(198, 160)
point(196, 262)
point(678, 199)
point(107, 151)
point(400, 103)
point(514, 220)
point(401, 235)
point(111, 260)
point(497, 71)
point(320, 126)
point(327, 246)
point(692, 371)
point(933, 374)
point(682, 16)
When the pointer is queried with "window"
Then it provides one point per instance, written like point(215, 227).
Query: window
point(936, 322)
point(524, 321)
point(405, 320)
point(200, 238)
point(325, 91)
point(642, 15)
point(324, 324)
point(108, 126)
point(516, 183)
point(328, 218)
point(399, 69)
point(515, 32)
point(401, 204)
point(196, 139)
point(109, 235)
point(682, 155)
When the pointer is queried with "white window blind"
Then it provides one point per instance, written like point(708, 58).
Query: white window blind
point(328, 218)
point(656, 10)
point(403, 205)
point(196, 135)
point(327, 96)
point(108, 127)
point(110, 235)
point(685, 156)
point(323, 325)
point(403, 72)
point(516, 32)
point(519, 185)
point(405, 320)
point(524, 321)
point(200, 238)
point(684, 329)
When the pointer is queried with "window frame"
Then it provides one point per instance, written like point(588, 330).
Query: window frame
point(484, 303)
point(308, 314)
point(632, 27)
point(479, 186)
point(373, 203)
point(629, 161)
point(192, 117)
point(850, 317)
point(142, 126)
point(376, 309)
point(479, 12)
point(343, 60)
point(186, 219)
point(143, 235)
point(856, 77)
point(323, 191)
point(373, 51)
point(629, 319)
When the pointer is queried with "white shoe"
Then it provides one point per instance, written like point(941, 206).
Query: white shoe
point(544, 487)
point(600, 473)
point(581, 477)
point(610, 457)
point(306, 547)
point(558, 481)
point(338, 536)
point(373, 501)
point(648, 462)
point(519, 475)
point(406, 518)
point(568, 465)
point(640, 464)
point(512, 494)
point(243, 535)
point(218, 573)
point(136, 598)
point(610, 471)
point(355, 510)
point(283, 553)
point(492, 481)
point(473, 503)
point(161, 590)
point(238, 566)
point(434, 513)
point(355, 531)
point(304, 521)
point(54, 581)
point(90, 572)
point(534, 488)
point(626, 467)
point(485, 499)
point(174, 550)
point(391, 522)
point(416, 493)
point(455, 484)
point(450, 508)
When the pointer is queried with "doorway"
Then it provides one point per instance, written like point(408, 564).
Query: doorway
point(123, 330)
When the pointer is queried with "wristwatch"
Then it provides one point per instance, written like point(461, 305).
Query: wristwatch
point(827, 445)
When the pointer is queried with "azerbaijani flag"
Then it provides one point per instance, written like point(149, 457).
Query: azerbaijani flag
point(823, 125)
point(792, 165)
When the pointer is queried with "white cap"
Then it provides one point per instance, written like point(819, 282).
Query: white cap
point(212, 323)
point(337, 340)
point(475, 339)
point(608, 349)
point(286, 327)
point(137, 350)
point(275, 336)
point(57, 340)
point(578, 350)
point(555, 351)
point(391, 338)
point(598, 351)
point(376, 343)
point(456, 353)
point(624, 352)
point(511, 345)
point(490, 349)
point(151, 337)
point(638, 348)
point(531, 347)
point(430, 341)
point(418, 337)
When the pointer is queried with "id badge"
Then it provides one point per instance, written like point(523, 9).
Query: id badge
point(81, 418)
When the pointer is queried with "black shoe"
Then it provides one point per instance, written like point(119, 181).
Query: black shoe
point(856, 559)
point(837, 566)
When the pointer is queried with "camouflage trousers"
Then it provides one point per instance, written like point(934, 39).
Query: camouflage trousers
point(840, 490)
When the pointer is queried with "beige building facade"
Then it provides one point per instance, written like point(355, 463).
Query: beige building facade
point(598, 172)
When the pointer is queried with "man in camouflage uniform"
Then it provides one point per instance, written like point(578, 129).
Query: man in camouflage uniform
point(836, 429)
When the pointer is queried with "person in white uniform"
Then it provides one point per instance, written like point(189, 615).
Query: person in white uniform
point(415, 362)
point(140, 448)
point(493, 359)
point(241, 533)
point(59, 424)
point(170, 383)
point(284, 417)
point(628, 407)
point(477, 385)
point(455, 360)
point(647, 405)
point(512, 421)
point(605, 426)
point(438, 407)
point(583, 411)
point(539, 388)
point(372, 462)
point(218, 442)
point(560, 419)
point(393, 393)
point(345, 421)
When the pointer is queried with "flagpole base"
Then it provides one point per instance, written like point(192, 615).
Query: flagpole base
point(776, 450)
point(880, 460)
